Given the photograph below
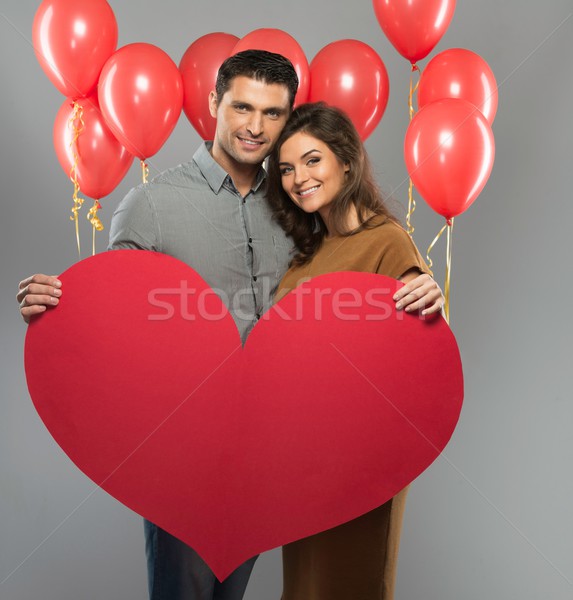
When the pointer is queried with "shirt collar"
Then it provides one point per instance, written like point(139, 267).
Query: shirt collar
point(214, 172)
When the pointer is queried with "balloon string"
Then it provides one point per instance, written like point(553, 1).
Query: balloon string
point(447, 281)
point(144, 171)
point(411, 208)
point(413, 89)
point(428, 259)
point(76, 124)
point(411, 201)
point(94, 219)
point(447, 284)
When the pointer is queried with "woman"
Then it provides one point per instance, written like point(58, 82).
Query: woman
point(323, 194)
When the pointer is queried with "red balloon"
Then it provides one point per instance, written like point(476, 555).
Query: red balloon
point(449, 151)
point(275, 40)
point(102, 160)
point(350, 75)
point(414, 27)
point(198, 68)
point(72, 40)
point(140, 93)
point(459, 73)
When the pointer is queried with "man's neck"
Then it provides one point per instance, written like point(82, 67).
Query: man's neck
point(243, 175)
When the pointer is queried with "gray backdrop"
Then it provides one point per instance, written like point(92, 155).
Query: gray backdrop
point(492, 518)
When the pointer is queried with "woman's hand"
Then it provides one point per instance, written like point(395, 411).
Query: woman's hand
point(36, 293)
point(420, 293)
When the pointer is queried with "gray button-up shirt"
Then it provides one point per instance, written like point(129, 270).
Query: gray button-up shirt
point(193, 212)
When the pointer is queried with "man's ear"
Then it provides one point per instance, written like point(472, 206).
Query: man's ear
point(213, 104)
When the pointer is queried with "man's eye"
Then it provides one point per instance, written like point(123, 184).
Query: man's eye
point(241, 107)
point(273, 114)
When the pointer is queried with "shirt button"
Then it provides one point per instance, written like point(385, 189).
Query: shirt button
point(250, 240)
point(255, 278)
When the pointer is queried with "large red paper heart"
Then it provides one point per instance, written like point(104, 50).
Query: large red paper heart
point(336, 402)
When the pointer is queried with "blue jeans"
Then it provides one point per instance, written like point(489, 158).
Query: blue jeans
point(176, 572)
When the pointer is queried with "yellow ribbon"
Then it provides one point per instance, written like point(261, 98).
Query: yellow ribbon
point(94, 219)
point(413, 89)
point(76, 124)
point(411, 208)
point(411, 201)
point(428, 259)
point(447, 281)
point(144, 171)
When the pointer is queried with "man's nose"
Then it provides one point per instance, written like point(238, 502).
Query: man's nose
point(255, 125)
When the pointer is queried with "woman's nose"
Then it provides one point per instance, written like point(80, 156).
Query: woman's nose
point(300, 176)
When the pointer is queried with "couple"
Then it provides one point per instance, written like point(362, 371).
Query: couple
point(318, 210)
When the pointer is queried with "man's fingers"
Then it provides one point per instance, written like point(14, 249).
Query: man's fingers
point(36, 293)
point(38, 300)
point(42, 279)
point(30, 311)
point(36, 289)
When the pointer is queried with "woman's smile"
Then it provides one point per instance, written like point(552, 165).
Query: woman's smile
point(311, 174)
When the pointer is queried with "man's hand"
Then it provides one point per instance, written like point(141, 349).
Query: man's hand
point(421, 292)
point(36, 293)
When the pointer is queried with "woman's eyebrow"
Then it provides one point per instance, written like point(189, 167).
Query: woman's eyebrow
point(303, 156)
point(310, 152)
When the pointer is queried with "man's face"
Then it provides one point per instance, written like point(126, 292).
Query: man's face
point(250, 116)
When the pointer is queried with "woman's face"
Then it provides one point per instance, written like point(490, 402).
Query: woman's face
point(311, 174)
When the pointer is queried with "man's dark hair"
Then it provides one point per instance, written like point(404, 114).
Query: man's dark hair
point(261, 65)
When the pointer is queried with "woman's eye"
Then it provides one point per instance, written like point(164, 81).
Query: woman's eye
point(286, 170)
point(313, 161)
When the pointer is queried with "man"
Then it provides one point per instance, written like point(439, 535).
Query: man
point(211, 213)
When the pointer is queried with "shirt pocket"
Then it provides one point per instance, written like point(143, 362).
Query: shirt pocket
point(283, 252)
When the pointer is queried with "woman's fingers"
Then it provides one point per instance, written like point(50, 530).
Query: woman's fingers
point(422, 294)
